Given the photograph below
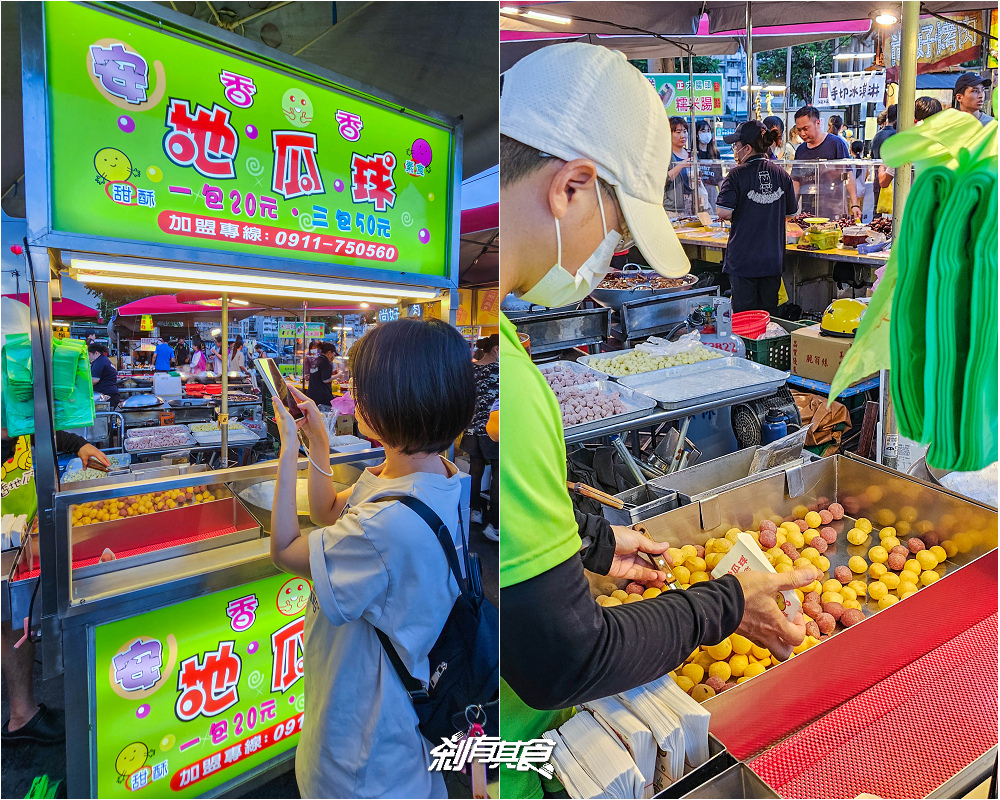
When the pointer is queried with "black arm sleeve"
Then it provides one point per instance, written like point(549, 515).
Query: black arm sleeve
point(599, 542)
point(560, 648)
point(67, 442)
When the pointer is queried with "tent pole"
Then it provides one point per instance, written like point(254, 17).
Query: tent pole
point(694, 134)
point(750, 75)
point(904, 120)
point(224, 411)
point(788, 87)
point(305, 306)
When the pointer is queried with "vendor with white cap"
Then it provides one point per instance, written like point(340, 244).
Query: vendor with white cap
point(584, 152)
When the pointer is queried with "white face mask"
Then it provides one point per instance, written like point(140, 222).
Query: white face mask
point(705, 137)
point(559, 287)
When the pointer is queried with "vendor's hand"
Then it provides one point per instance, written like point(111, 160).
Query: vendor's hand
point(763, 623)
point(312, 421)
point(628, 561)
point(88, 451)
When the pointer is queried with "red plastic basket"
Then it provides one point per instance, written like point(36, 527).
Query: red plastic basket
point(750, 324)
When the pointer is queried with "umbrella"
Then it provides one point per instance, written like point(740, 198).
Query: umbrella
point(63, 309)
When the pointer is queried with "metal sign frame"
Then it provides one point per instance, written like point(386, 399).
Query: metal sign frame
point(37, 166)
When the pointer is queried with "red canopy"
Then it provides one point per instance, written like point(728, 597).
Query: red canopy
point(63, 309)
point(160, 304)
point(483, 218)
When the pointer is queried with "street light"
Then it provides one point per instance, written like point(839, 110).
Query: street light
point(886, 18)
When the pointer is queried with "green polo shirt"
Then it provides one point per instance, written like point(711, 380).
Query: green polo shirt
point(536, 517)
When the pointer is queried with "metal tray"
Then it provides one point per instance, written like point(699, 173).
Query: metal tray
point(579, 369)
point(191, 441)
point(139, 432)
point(710, 381)
point(594, 362)
point(638, 405)
point(613, 298)
point(239, 436)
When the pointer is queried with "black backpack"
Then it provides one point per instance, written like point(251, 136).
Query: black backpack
point(465, 660)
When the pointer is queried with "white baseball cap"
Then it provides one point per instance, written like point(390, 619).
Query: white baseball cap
point(578, 100)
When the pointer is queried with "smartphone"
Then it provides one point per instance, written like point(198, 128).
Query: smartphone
point(275, 384)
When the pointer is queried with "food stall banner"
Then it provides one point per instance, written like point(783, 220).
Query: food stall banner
point(991, 60)
point(487, 307)
point(463, 314)
point(674, 92)
point(158, 138)
point(146, 322)
point(195, 694)
point(838, 89)
point(293, 330)
point(941, 43)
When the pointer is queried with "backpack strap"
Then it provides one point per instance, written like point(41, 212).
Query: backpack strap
point(415, 688)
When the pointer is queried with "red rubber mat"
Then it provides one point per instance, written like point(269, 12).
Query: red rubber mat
point(904, 736)
point(86, 562)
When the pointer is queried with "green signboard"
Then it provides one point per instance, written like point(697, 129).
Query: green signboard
point(158, 138)
point(191, 696)
point(293, 330)
point(675, 93)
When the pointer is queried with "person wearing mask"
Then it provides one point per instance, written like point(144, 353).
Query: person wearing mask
point(164, 356)
point(711, 176)
point(374, 562)
point(677, 187)
point(924, 107)
point(891, 114)
point(756, 196)
point(482, 450)
point(970, 94)
point(818, 145)
point(580, 179)
point(780, 150)
point(199, 363)
point(320, 374)
point(104, 374)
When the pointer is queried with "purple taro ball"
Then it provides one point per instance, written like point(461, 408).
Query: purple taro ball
point(421, 152)
point(338, 185)
point(424, 235)
point(251, 131)
point(126, 123)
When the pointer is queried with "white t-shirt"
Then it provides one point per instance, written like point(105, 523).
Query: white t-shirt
point(379, 564)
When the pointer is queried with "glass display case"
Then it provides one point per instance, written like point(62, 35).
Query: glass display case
point(823, 186)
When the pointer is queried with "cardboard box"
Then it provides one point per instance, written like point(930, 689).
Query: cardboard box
point(815, 356)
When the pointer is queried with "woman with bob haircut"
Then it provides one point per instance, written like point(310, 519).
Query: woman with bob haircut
point(375, 564)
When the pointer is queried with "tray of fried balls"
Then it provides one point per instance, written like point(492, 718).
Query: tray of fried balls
point(865, 570)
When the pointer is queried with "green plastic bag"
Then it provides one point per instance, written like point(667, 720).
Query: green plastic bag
point(908, 340)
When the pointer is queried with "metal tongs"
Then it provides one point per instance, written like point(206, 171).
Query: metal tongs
point(93, 463)
point(658, 561)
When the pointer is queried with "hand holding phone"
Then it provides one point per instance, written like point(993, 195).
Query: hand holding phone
point(276, 385)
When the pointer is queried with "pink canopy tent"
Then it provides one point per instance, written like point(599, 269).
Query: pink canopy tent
point(479, 255)
point(64, 309)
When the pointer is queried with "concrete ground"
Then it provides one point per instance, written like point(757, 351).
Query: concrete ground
point(21, 763)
